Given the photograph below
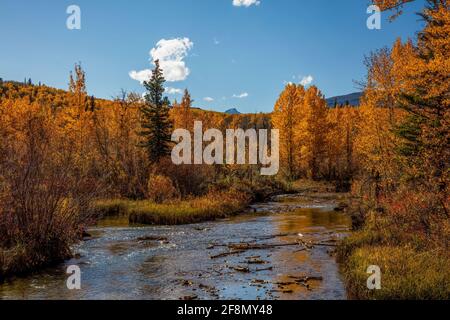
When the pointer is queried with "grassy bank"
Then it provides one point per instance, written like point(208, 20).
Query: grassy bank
point(195, 210)
point(411, 268)
point(21, 259)
point(406, 273)
point(222, 201)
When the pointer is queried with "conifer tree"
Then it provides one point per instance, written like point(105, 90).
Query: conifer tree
point(425, 134)
point(155, 122)
point(90, 106)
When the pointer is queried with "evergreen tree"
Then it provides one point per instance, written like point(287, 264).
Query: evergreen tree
point(425, 134)
point(166, 102)
point(90, 105)
point(155, 121)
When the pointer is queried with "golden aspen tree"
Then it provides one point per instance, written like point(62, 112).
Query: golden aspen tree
point(342, 164)
point(426, 98)
point(77, 87)
point(287, 117)
point(313, 131)
point(394, 5)
point(184, 112)
point(377, 142)
point(334, 142)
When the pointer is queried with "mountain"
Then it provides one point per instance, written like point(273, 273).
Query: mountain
point(352, 99)
point(232, 111)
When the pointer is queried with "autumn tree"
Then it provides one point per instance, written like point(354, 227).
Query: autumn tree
point(183, 112)
point(77, 87)
point(313, 131)
point(286, 118)
point(380, 116)
point(425, 135)
point(393, 5)
point(45, 187)
point(406, 150)
point(155, 122)
point(342, 164)
point(116, 144)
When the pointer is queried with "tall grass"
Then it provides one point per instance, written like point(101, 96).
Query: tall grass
point(210, 207)
point(409, 240)
point(406, 273)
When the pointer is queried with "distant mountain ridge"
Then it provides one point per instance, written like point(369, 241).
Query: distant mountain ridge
point(352, 99)
point(232, 111)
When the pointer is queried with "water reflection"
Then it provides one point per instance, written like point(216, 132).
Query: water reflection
point(118, 263)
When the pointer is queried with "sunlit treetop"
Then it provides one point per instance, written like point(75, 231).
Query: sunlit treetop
point(396, 6)
point(391, 4)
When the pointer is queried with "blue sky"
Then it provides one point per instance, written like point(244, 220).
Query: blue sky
point(240, 57)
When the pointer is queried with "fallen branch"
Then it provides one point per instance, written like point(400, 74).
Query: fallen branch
point(264, 269)
point(226, 254)
point(248, 246)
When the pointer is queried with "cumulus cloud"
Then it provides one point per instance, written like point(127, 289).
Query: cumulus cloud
point(240, 96)
point(306, 80)
point(171, 54)
point(246, 3)
point(170, 90)
point(141, 76)
point(208, 99)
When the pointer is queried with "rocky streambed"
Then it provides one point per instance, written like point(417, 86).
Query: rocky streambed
point(280, 249)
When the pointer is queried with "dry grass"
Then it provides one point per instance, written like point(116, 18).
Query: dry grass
point(408, 239)
point(196, 210)
point(406, 274)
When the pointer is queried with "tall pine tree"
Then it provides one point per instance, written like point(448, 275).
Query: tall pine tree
point(425, 132)
point(155, 122)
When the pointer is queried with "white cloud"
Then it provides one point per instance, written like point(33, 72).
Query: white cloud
point(246, 3)
point(141, 76)
point(170, 90)
point(208, 99)
point(171, 54)
point(306, 80)
point(240, 96)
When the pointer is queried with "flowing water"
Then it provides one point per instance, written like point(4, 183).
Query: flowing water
point(185, 262)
